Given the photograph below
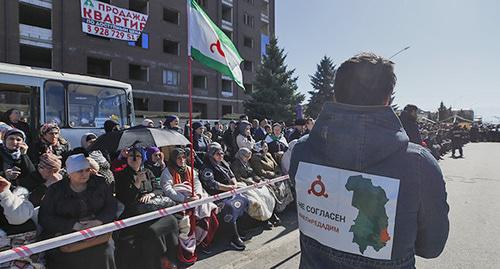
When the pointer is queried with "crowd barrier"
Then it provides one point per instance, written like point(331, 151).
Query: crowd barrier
point(40, 246)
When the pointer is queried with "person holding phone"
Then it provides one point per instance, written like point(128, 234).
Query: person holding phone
point(140, 192)
point(14, 163)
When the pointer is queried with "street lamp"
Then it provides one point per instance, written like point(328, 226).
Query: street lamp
point(399, 52)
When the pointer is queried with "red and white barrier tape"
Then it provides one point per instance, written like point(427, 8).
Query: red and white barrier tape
point(37, 247)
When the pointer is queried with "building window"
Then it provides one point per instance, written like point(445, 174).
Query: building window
point(98, 67)
point(138, 72)
point(200, 108)
point(170, 106)
point(248, 42)
point(248, 20)
point(265, 28)
point(248, 65)
point(229, 34)
point(227, 86)
point(35, 56)
point(251, 2)
point(35, 16)
point(171, 47)
point(248, 87)
point(199, 82)
point(171, 77)
point(227, 13)
point(140, 6)
point(141, 104)
point(227, 110)
point(171, 16)
point(142, 41)
point(265, 9)
point(203, 3)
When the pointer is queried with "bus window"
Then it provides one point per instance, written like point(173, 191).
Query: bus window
point(91, 106)
point(54, 102)
point(17, 97)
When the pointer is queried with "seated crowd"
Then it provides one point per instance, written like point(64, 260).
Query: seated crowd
point(48, 189)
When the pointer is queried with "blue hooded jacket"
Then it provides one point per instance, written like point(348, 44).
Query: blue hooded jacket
point(370, 139)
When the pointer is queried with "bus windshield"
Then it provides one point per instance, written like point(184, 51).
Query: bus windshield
point(88, 106)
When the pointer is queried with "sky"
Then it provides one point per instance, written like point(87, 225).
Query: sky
point(454, 53)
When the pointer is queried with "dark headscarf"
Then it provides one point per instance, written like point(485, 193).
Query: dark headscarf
point(173, 160)
point(109, 125)
point(222, 166)
point(13, 154)
point(169, 119)
point(141, 151)
point(242, 126)
point(6, 115)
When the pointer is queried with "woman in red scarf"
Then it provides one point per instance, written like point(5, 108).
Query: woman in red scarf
point(197, 226)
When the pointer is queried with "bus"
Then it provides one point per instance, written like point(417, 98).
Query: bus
point(78, 104)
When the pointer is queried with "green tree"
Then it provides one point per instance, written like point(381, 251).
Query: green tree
point(322, 83)
point(275, 94)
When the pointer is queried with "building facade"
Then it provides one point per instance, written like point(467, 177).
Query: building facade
point(48, 34)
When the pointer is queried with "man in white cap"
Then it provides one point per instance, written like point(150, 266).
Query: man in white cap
point(148, 123)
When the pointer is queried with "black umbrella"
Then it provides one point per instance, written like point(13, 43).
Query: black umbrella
point(142, 136)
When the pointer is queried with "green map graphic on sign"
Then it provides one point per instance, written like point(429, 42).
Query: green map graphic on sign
point(370, 226)
point(88, 3)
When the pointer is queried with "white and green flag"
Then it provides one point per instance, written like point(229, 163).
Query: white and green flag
point(210, 46)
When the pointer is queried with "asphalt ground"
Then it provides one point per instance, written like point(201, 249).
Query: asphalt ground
point(473, 186)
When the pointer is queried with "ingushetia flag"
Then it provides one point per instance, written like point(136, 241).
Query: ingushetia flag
point(210, 46)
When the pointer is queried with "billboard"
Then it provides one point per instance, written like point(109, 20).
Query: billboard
point(109, 21)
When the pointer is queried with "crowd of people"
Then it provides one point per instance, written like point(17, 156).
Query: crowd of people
point(441, 138)
point(48, 188)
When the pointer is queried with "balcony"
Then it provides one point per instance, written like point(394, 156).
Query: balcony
point(228, 2)
point(264, 17)
point(35, 36)
point(227, 25)
point(39, 3)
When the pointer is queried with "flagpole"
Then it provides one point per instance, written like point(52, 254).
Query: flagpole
point(190, 101)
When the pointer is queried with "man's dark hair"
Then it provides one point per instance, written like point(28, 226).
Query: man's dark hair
point(410, 108)
point(365, 79)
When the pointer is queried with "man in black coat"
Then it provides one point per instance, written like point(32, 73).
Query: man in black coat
point(408, 119)
point(457, 141)
point(260, 132)
point(298, 130)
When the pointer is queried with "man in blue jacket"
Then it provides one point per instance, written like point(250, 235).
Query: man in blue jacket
point(366, 196)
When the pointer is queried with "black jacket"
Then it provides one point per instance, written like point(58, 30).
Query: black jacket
point(61, 207)
point(35, 184)
point(411, 127)
point(211, 175)
point(40, 147)
point(229, 139)
point(24, 164)
point(295, 134)
point(129, 194)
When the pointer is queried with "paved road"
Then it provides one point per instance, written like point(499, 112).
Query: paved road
point(473, 186)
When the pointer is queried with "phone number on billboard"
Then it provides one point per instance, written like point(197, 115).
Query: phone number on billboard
point(109, 33)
